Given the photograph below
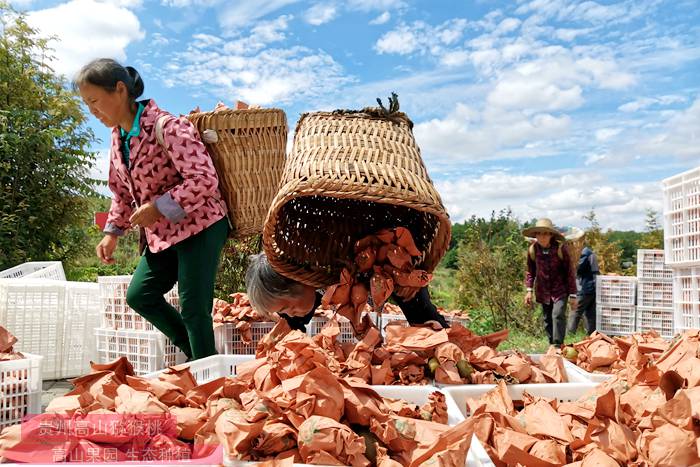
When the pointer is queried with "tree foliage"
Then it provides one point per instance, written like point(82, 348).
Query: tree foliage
point(608, 252)
point(491, 271)
point(653, 236)
point(44, 156)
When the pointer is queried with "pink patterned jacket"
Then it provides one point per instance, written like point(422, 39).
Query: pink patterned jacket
point(181, 181)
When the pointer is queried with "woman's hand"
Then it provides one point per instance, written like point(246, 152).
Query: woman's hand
point(145, 216)
point(528, 299)
point(106, 248)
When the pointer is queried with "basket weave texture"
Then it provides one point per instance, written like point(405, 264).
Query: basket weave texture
point(349, 175)
point(249, 158)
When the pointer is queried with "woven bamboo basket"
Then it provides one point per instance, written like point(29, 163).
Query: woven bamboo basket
point(349, 175)
point(249, 157)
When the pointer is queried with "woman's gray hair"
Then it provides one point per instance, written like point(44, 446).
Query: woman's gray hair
point(264, 285)
point(106, 73)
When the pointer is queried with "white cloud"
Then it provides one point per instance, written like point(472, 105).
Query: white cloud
point(604, 134)
point(646, 102)
point(271, 31)
point(159, 40)
point(249, 70)
point(100, 171)
point(563, 197)
point(320, 13)
point(243, 12)
point(402, 41)
point(188, 3)
point(470, 135)
point(21, 4)
point(110, 30)
point(126, 3)
point(587, 11)
point(569, 34)
point(381, 19)
point(680, 136)
point(534, 92)
point(421, 37)
point(375, 5)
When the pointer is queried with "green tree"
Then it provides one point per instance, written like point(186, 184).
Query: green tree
point(653, 236)
point(44, 156)
point(234, 262)
point(491, 262)
point(608, 251)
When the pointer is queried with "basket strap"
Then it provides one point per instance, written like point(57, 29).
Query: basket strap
point(160, 123)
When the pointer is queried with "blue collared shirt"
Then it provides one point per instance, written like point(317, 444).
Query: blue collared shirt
point(126, 137)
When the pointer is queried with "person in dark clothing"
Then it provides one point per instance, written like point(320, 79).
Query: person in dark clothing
point(270, 292)
point(550, 272)
point(586, 271)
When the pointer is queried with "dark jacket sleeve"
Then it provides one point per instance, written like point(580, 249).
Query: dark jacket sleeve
point(299, 322)
point(570, 273)
point(420, 309)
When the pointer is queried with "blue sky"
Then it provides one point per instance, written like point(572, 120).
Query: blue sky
point(550, 107)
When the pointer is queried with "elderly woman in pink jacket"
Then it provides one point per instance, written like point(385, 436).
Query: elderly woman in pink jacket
point(170, 190)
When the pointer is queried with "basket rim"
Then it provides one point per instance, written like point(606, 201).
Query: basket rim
point(230, 112)
point(367, 113)
point(318, 278)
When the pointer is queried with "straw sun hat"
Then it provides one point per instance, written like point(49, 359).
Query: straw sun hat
point(543, 225)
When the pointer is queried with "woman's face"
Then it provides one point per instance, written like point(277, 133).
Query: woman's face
point(544, 238)
point(108, 107)
point(295, 305)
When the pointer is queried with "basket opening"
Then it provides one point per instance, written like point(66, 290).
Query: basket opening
point(318, 232)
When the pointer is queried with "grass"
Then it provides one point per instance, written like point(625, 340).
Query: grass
point(527, 343)
point(443, 288)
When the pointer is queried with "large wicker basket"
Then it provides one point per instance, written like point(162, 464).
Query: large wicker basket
point(349, 175)
point(249, 158)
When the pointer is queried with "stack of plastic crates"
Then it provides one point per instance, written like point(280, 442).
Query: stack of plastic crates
point(229, 340)
point(35, 270)
point(20, 387)
point(615, 305)
point(654, 293)
point(682, 245)
point(54, 319)
point(125, 333)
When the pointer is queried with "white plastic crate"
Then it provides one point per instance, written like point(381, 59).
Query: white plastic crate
point(686, 298)
point(35, 270)
point(217, 366)
point(115, 311)
point(228, 340)
point(659, 319)
point(590, 376)
point(34, 311)
point(475, 458)
point(651, 265)
point(20, 389)
point(210, 368)
point(573, 377)
point(615, 320)
point(82, 318)
point(346, 332)
point(615, 290)
point(148, 351)
point(682, 218)
point(457, 402)
point(656, 294)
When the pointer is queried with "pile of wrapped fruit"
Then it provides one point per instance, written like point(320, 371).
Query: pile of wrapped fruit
point(238, 312)
point(647, 415)
point(300, 400)
point(602, 354)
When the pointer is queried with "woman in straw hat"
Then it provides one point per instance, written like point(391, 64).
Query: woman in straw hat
point(550, 271)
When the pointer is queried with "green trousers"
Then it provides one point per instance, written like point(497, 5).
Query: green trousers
point(193, 264)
